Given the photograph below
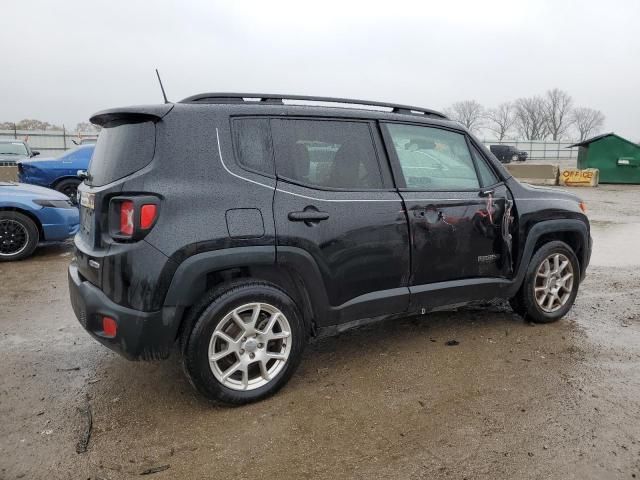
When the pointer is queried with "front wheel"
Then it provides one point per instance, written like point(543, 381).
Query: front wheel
point(550, 285)
point(245, 343)
point(19, 236)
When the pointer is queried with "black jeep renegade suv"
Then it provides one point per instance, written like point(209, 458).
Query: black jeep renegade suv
point(238, 225)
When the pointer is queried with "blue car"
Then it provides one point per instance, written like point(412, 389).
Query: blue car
point(29, 215)
point(58, 173)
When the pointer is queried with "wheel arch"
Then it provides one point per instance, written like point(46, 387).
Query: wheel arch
point(573, 232)
point(31, 216)
point(59, 180)
point(204, 271)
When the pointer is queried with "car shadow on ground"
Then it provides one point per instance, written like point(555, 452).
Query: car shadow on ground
point(431, 344)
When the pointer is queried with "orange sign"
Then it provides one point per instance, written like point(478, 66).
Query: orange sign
point(573, 177)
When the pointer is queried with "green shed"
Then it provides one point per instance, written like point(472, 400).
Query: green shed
point(617, 158)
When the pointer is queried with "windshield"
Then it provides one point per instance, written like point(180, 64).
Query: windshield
point(13, 148)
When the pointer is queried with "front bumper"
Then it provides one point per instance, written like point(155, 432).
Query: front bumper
point(140, 335)
point(586, 259)
point(59, 223)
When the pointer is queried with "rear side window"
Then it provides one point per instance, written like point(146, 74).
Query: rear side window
point(326, 153)
point(252, 143)
point(432, 158)
point(121, 151)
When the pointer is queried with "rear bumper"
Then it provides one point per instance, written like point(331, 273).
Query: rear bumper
point(140, 335)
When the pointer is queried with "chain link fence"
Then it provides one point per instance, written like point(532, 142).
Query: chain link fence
point(50, 143)
point(543, 151)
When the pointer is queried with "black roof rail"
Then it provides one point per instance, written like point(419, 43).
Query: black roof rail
point(225, 97)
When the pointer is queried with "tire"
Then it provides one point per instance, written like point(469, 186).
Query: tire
point(17, 227)
point(212, 321)
point(69, 187)
point(539, 299)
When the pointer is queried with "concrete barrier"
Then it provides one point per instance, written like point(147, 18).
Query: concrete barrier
point(573, 177)
point(537, 173)
point(8, 174)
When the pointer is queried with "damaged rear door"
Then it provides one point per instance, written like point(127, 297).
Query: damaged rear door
point(455, 206)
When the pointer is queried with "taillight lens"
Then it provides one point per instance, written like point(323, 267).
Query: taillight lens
point(148, 214)
point(126, 217)
point(132, 217)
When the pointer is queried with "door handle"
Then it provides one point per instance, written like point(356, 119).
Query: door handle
point(308, 216)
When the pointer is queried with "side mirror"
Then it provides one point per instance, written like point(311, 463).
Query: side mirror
point(35, 153)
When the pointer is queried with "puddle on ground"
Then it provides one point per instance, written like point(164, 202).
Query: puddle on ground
point(615, 244)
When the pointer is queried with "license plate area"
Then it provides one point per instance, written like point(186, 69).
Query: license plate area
point(88, 200)
point(86, 221)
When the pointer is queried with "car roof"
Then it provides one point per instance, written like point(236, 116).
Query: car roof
point(12, 140)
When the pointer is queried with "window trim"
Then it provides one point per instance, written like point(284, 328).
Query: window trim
point(471, 143)
point(369, 123)
point(397, 168)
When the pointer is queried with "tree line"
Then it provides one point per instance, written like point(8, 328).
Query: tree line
point(33, 124)
point(551, 116)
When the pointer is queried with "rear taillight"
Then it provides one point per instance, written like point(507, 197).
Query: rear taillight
point(131, 218)
point(126, 217)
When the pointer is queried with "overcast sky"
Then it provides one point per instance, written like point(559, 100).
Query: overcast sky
point(64, 60)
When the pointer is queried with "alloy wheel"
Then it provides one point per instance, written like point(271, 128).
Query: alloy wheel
point(14, 237)
point(250, 346)
point(554, 282)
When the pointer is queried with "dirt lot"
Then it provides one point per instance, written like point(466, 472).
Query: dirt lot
point(391, 400)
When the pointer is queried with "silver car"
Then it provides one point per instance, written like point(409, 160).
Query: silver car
point(11, 151)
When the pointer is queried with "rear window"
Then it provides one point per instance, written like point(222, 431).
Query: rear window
point(121, 151)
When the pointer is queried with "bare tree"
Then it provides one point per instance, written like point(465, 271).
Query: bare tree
point(557, 107)
point(587, 121)
point(501, 119)
point(530, 118)
point(33, 124)
point(87, 127)
point(469, 113)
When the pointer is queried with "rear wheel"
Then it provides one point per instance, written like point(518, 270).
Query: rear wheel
point(245, 344)
point(69, 187)
point(550, 285)
point(18, 236)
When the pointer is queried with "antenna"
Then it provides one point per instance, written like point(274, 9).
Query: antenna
point(161, 87)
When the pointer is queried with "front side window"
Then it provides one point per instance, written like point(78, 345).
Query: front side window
point(487, 176)
point(326, 153)
point(432, 158)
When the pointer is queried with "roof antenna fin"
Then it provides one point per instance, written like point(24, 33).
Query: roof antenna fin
point(161, 87)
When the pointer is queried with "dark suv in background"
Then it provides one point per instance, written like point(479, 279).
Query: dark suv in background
point(239, 225)
point(508, 153)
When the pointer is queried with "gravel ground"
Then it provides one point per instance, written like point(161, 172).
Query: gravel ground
point(391, 400)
